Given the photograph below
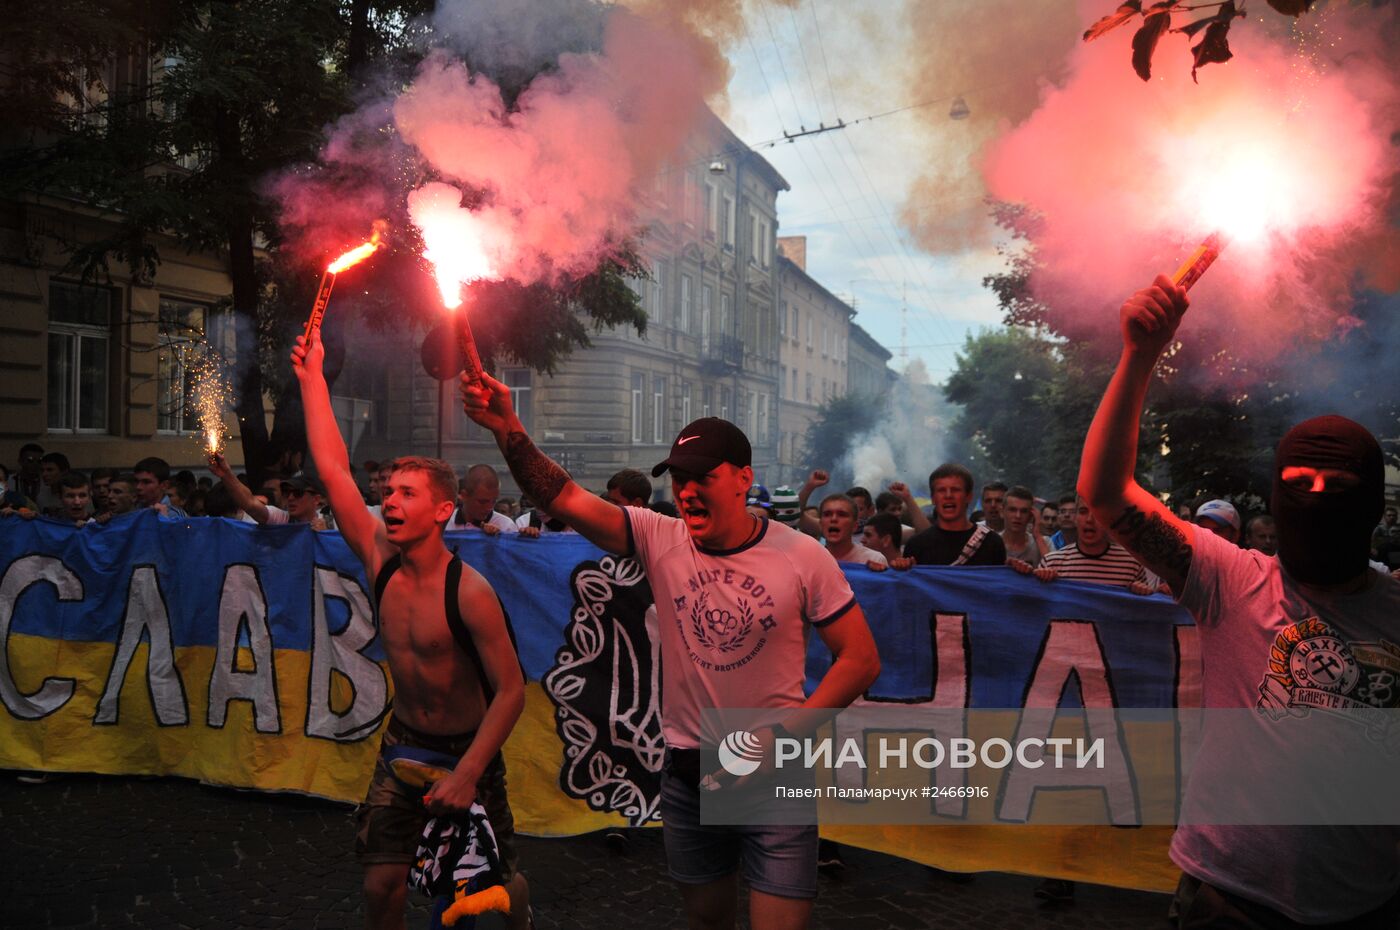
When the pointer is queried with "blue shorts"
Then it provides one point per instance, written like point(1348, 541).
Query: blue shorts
point(780, 860)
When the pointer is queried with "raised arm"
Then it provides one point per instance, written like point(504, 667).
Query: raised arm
point(805, 522)
point(237, 490)
point(362, 532)
point(1136, 519)
point(540, 478)
point(917, 518)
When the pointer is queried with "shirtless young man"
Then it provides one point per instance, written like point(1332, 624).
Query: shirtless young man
point(444, 698)
point(718, 559)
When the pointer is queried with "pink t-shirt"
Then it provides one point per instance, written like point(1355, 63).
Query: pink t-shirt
point(1269, 644)
point(733, 623)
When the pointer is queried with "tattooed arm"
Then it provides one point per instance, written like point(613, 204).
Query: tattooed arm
point(540, 478)
point(1135, 519)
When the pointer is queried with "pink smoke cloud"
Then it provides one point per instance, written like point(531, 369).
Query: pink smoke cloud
point(558, 178)
point(1284, 147)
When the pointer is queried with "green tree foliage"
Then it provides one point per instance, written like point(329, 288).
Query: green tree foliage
point(1026, 404)
point(839, 421)
point(243, 90)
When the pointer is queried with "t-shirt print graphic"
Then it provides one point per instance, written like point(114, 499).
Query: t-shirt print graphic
point(1311, 666)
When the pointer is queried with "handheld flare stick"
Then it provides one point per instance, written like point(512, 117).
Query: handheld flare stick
point(467, 343)
point(323, 294)
point(1205, 255)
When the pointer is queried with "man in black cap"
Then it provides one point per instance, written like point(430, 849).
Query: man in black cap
point(303, 496)
point(1310, 628)
point(737, 596)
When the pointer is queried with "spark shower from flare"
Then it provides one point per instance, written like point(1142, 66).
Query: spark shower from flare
point(211, 396)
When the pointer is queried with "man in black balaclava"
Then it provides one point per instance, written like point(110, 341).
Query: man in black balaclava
point(1329, 489)
point(1307, 633)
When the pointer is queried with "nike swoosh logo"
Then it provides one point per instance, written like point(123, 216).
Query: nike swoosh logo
point(685, 439)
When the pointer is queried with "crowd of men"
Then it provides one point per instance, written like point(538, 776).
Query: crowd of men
point(1305, 566)
point(1055, 537)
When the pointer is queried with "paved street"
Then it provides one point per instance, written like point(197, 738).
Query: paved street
point(91, 851)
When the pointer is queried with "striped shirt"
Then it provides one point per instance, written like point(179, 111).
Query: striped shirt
point(1116, 566)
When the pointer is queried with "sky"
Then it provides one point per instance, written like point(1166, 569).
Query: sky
point(821, 61)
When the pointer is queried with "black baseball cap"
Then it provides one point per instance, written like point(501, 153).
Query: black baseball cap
point(705, 444)
point(302, 483)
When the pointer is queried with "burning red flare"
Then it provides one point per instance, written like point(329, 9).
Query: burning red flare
point(456, 242)
point(348, 260)
point(356, 255)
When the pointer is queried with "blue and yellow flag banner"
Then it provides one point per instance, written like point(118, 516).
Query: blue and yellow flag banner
point(247, 656)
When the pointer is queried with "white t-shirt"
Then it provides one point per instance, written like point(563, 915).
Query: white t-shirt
point(522, 522)
point(1250, 613)
point(276, 516)
point(733, 623)
point(497, 519)
point(861, 554)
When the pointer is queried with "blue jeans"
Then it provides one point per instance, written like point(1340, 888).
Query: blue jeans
point(779, 860)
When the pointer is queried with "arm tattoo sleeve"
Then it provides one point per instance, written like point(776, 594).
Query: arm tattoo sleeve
point(536, 473)
point(1155, 541)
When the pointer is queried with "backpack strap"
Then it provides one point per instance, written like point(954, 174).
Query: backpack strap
point(381, 581)
point(460, 633)
point(974, 541)
point(463, 636)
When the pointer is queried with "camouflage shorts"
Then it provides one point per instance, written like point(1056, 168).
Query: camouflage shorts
point(392, 817)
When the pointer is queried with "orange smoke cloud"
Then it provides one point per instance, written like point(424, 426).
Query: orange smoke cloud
point(996, 55)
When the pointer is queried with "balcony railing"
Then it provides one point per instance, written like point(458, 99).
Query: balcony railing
point(721, 353)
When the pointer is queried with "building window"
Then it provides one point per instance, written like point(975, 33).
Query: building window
point(752, 419)
point(725, 302)
point(707, 398)
point(637, 286)
point(824, 342)
point(809, 387)
point(728, 218)
point(796, 331)
point(80, 327)
point(658, 409)
point(809, 331)
point(685, 303)
point(180, 345)
point(711, 210)
point(707, 305)
point(793, 393)
point(766, 249)
point(782, 379)
point(658, 289)
point(520, 382)
point(638, 386)
point(724, 403)
point(782, 320)
point(685, 403)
